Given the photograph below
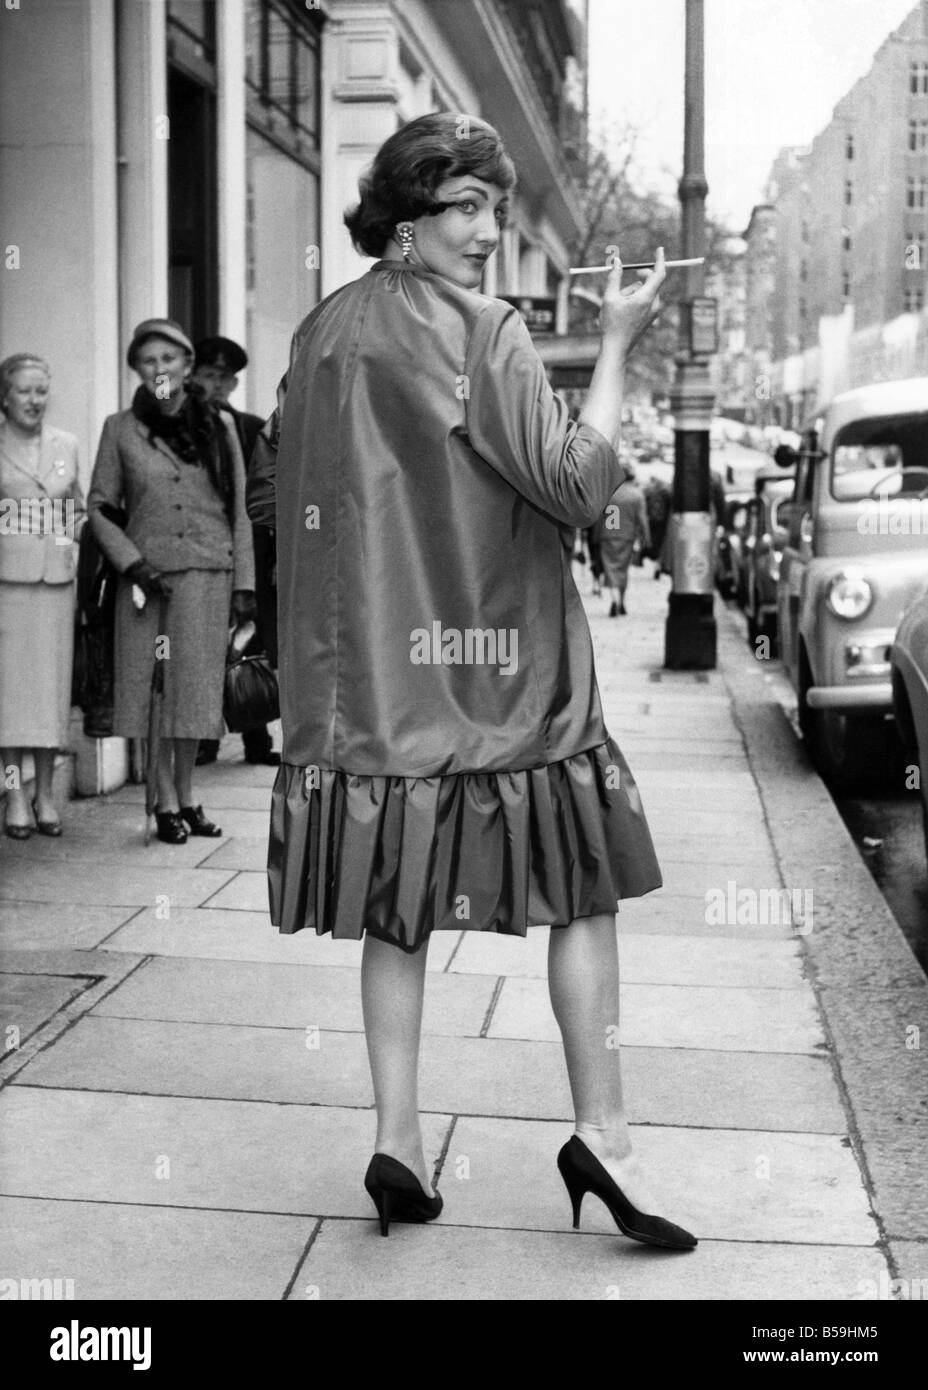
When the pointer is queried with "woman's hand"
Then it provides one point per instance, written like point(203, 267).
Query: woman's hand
point(627, 313)
point(149, 580)
point(243, 605)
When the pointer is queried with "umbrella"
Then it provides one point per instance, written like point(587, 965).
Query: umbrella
point(156, 701)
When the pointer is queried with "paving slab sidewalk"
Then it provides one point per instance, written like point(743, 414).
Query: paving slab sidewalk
point(186, 1108)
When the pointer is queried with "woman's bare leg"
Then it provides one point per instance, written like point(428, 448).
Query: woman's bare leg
point(392, 990)
point(583, 979)
point(167, 797)
point(44, 772)
point(185, 756)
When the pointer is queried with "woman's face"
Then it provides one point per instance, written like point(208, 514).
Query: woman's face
point(163, 367)
point(27, 398)
point(458, 242)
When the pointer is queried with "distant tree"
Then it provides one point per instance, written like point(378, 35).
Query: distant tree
point(622, 211)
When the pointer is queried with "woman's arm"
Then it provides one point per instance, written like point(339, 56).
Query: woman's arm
point(106, 491)
point(242, 549)
point(625, 316)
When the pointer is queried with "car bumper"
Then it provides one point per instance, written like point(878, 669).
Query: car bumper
point(878, 696)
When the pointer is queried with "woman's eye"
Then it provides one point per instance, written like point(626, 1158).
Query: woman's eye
point(468, 204)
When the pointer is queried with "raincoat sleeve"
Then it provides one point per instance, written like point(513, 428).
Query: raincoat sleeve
point(522, 429)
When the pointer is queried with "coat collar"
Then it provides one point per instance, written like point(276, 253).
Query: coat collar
point(154, 441)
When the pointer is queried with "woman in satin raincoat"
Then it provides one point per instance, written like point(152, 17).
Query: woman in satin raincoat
point(445, 762)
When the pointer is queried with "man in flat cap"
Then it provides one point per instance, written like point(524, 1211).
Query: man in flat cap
point(218, 363)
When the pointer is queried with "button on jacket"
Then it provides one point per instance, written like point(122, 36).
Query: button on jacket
point(423, 470)
point(40, 513)
point(174, 521)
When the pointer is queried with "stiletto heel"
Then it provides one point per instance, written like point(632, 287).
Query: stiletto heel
point(383, 1201)
point(397, 1193)
point(582, 1172)
point(576, 1190)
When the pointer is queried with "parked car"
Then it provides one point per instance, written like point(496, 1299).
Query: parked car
point(765, 529)
point(729, 549)
point(909, 665)
point(855, 553)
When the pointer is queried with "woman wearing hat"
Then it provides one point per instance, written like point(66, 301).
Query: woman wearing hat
point(41, 506)
point(445, 762)
point(173, 464)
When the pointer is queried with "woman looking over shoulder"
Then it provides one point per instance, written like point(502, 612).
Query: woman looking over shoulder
point(445, 761)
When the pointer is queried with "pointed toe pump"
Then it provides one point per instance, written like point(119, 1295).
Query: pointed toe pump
point(582, 1172)
point(397, 1193)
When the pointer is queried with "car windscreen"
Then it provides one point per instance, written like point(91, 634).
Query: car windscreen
point(869, 457)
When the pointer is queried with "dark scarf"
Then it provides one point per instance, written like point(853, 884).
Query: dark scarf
point(195, 434)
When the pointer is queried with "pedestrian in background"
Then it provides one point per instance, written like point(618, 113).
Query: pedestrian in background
point(41, 509)
point(217, 365)
point(173, 462)
point(622, 527)
point(422, 790)
point(657, 498)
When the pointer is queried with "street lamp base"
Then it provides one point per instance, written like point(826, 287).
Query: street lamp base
point(690, 633)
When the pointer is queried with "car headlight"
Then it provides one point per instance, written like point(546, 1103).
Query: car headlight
point(849, 595)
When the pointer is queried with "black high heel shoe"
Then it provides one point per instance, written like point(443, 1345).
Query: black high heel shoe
point(397, 1193)
point(198, 823)
point(582, 1172)
point(170, 828)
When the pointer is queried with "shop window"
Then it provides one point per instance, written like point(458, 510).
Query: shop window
point(282, 72)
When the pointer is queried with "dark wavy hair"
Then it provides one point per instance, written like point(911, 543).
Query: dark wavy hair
point(400, 184)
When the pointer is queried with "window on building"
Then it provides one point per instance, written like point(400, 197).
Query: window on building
point(918, 136)
point(845, 285)
point(918, 79)
point(916, 192)
point(803, 272)
point(848, 192)
point(845, 239)
point(849, 146)
point(803, 307)
point(805, 231)
point(282, 71)
point(914, 300)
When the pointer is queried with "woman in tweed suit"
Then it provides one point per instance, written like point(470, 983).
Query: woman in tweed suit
point(174, 465)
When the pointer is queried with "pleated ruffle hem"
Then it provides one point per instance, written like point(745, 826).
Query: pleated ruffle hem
point(400, 857)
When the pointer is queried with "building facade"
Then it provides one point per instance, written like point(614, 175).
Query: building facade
point(839, 242)
point(196, 157)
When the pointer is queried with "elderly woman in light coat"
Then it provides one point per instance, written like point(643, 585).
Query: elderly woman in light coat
point(41, 507)
point(172, 463)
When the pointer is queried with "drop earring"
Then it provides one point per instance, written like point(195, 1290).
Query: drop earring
point(404, 232)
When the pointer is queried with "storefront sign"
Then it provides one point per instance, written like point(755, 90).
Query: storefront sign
point(539, 314)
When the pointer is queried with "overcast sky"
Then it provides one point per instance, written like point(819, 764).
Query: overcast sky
point(774, 71)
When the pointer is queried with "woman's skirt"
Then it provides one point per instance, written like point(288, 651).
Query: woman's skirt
point(36, 653)
point(197, 630)
point(400, 857)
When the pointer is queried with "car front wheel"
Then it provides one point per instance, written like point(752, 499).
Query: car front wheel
point(848, 748)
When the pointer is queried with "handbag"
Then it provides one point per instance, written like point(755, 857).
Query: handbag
point(250, 694)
